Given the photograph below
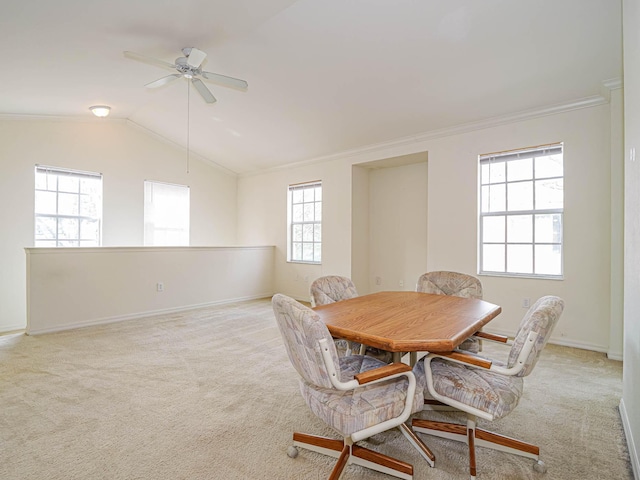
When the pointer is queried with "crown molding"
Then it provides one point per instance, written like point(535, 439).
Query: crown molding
point(587, 102)
point(61, 118)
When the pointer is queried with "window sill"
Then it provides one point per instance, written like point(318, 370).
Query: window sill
point(521, 275)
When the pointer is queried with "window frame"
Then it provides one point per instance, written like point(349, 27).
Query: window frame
point(291, 224)
point(506, 157)
point(57, 216)
point(149, 184)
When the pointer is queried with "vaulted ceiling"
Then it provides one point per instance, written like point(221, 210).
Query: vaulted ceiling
point(325, 76)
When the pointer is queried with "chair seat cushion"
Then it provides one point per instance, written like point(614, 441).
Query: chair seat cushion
point(353, 410)
point(490, 392)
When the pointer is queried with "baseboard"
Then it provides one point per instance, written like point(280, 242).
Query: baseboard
point(631, 445)
point(9, 329)
point(615, 356)
point(134, 316)
point(557, 341)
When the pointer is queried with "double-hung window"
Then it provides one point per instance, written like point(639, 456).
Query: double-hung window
point(305, 223)
point(166, 214)
point(68, 208)
point(521, 212)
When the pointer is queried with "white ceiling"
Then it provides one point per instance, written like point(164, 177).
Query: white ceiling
point(324, 76)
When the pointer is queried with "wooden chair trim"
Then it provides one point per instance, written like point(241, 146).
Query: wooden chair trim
point(440, 426)
point(377, 373)
point(507, 442)
point(381, 459)
point(418, 442)
point(323, 442)
point(341, 463)
point(492, 336)
point(471, 440)
point(469, 359)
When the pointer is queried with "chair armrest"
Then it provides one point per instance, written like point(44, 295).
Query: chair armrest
point(378, 373)
point(491, 336)
point(460, 357)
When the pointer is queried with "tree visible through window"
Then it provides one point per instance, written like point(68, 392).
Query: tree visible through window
point(305, 227)
point(68, 208)
point(521, 212)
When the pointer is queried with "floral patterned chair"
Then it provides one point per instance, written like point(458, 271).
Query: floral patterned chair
point(330, 289)
point(489, 389)
point(458, 285)
point(358, 396)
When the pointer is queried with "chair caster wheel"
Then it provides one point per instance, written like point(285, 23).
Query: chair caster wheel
point(292, 452)
point(540, 467)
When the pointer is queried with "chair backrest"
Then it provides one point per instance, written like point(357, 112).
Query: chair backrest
point(301, 330)
point(541, 318)
point(450, 283)
point(332, 288)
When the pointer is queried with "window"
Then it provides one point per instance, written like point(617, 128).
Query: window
point(521, 212)
point(305, 227)
point(68, 208)
point(166, 214)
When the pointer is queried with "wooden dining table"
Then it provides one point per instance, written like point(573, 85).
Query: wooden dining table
point(412, 322)
point(402, 322)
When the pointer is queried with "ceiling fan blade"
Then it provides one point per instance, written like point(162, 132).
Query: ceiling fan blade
point(196, 57)
point(163, 81)
point(149, 60)
point(226, 81)
point(203, 90)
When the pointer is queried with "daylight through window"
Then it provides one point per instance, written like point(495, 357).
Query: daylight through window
point(305, 227)
point(68, 208)
point(166, 214)
point(521, 212)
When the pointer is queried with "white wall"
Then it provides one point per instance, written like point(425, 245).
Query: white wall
point(75, 287)
point(452, 216)
point(398, 227)
point(262, 216)
point(587, 191)
point(360, 229)
point(126, 157)
point(630, 404)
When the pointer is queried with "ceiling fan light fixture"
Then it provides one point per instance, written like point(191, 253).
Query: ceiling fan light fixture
point(100, 110)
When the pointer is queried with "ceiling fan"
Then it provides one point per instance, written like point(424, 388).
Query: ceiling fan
point(190, 67)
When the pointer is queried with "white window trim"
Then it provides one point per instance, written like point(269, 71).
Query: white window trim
point(58, 171)
point(513, 155)
point(148, 236)
point(291, 223)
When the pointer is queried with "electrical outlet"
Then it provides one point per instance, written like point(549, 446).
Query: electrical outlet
point(160, 287)
point(378, 281)
point(401, 283)
point(526, 303)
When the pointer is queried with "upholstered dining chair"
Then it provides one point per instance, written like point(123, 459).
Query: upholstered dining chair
point(358, 396)
point(458, 285)
point(488, 389)
point(330, 289)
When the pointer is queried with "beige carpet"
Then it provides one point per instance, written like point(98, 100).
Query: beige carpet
point(210, 394)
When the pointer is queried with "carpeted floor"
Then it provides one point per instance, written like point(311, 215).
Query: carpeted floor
point(210, 394)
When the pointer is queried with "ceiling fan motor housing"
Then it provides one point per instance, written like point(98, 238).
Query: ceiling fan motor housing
point(185, 69)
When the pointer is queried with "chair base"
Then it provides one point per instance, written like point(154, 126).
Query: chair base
point(347, 453)
point(473, 436)
point(436, 406)
point(418, 444)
